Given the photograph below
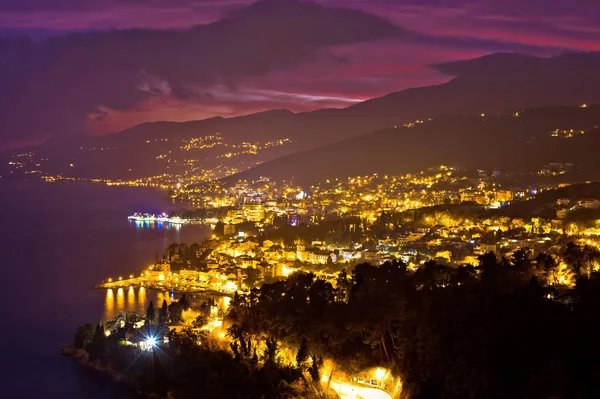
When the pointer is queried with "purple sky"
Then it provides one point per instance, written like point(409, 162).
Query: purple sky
point(305, 66)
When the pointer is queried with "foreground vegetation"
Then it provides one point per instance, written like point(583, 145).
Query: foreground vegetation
point(502, 329)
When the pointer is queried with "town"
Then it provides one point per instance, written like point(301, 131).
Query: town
point(444, 221)
point(264, 231)
point(300, 199)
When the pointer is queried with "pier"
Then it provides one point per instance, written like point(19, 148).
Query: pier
point(124, 283)
point(178, 288)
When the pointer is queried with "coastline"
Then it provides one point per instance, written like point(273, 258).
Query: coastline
point(122, 381)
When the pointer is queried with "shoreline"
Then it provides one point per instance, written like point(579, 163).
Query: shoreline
point(122, 381)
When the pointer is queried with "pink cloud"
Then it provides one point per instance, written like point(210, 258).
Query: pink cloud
point(523, 37)
point(226, 103)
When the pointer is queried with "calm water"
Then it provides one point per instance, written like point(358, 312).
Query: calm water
point(59, 240)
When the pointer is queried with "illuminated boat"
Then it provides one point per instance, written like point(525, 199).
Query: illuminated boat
point(139, 217)
point(162, 218)
point(135, 216)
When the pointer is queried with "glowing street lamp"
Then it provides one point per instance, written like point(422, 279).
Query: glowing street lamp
point(380, 373)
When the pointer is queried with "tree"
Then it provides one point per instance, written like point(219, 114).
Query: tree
point(84, 336)
point(315, 368)
point(172, 250)
point(234, 308)
point(302, 354)
point(219, 229)
point(182, 250)
point(200, 321)
point(492, 271)
point(271, 350)
point(521, 259)
point(151, 313)
point(252, 276)
point(194, 252)
point(242, 344)
point(320, 294)
point(97, 348)
point(163, 313)
point(547, 267)
point(581, 259)
point(184, 302)
point(236, 302)
point(462, 274)
point(343, 286)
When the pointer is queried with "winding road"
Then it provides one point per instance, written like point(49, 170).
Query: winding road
point(354, 391)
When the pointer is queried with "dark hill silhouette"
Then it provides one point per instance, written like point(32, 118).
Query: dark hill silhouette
point(490, 84)
point(517, 143)
point(494, 83)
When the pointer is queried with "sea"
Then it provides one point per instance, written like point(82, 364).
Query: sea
point(58, 241)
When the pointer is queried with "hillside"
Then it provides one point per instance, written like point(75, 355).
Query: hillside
point(506, 141)
point(491, 84)
point(545, 203)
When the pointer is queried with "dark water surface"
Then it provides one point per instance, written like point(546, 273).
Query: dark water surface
point(59, 240)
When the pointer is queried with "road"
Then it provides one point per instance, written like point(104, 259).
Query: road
point(353, 391)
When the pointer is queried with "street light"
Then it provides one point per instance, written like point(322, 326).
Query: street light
point(380, 373)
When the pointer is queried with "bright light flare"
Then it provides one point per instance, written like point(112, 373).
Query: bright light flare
point(151, 343)
point(380, 373)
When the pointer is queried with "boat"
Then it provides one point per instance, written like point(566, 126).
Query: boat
point(177, 220)
point(162, 218)
point(135, 216)
point(142, 217)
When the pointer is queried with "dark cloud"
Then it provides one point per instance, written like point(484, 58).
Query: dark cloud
point(51, 87)
point(272, 55)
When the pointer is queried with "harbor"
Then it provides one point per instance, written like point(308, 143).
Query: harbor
point(173, 285)
point(159, 276)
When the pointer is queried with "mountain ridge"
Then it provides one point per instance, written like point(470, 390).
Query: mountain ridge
point(519, 141)
point(565, 80)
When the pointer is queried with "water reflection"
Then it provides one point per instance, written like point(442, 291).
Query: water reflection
point(142, 297)
point(120, 300)
point(163, 296)
point(131, 299)
point(137, 299)
point(109, 304)
point(134, 300)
